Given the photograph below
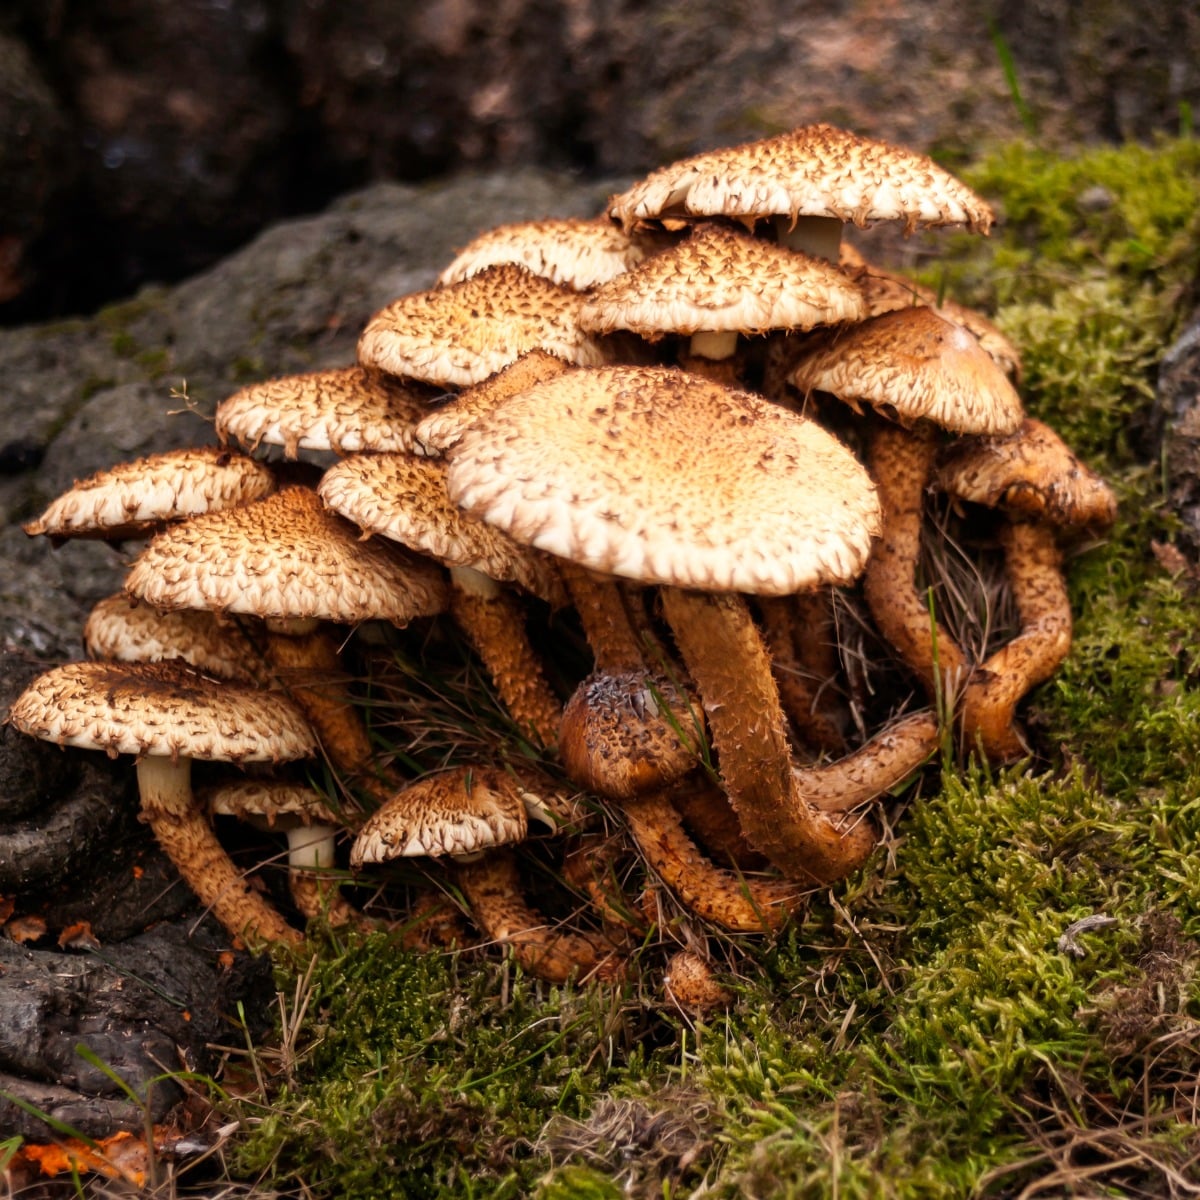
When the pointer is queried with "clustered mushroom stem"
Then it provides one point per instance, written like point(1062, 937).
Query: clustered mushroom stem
point(310, 669)
point(728, 662)
point(1033, 565)
point(713, 344)
point(492, 886)
point(494, 623)
point(887, 759)
point(737, 903)
point(606, 625)
point(900, 463)
point(189, 842)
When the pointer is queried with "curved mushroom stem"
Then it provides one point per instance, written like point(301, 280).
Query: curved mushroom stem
point(709, 816)
point(1033, 565)
point(492, 886)
point(589, 865)
point(610, 634)
point(899, 463)
point(793, 676)
point(189, 842)
point(494, 622)
point(889, 758)
point(310, 668)
point(314, 891)
point(726, 658)
point(734, 902)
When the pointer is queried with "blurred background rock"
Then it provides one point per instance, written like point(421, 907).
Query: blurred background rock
point(143, 139)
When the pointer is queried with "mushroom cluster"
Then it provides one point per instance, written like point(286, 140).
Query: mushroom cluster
point(699, 440)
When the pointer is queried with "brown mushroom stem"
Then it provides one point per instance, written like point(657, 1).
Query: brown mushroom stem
point(889, 758)
point(801, 700)
point(314, 891)
point(726, 370)
point(589, 865)
point(494, 623)
point(734, 902)
point(900, 462)
point(189, 842)
point(311, 670)
point(728, 662)
point(1033, 566)
point(710, 817)
point(610, 634)
point(492, 886)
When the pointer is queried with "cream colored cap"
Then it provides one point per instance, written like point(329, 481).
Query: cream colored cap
point(813, 171)
point(344, 410)
point(1031, 473)
point(284, 557)
point(439, 431)
point(286, 805)
point(461, 334)
point(458, 812)
point(122, 630)
point(884, 291)
point(719, 280)
point(664, 477)
point(404, 498)
point(574, 252)
point(161, 709)
point(132, 498)
point(918, 364)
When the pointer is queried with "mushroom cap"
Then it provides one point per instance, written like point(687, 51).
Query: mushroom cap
point(885, 291)
point(1030, 473)
point(461, 812)
point(719, 280)
point(664, 477)
point(404, 498)
point(284, 557)
point(812, 171)
point(344, 410)
point(918, 364)
point(280, 805)
point(437, 432)
point(461, 334)
point(122, 630)
point(132, 498)
point(578, 253)
point(163, 709)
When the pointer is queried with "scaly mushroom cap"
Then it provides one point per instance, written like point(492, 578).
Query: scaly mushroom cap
point(132, 498)
point(284, 557)
point(664, 477)
point(459, 335)
point(719, 280)
point(161, 709)
point(436, 433)
point(884, 291)
point(404, 498)
point(917, 364)
point(286, 805)
point(1030, 473)
point(574, 252)
point(122, 630)
point(813, 171)
point(345, 410)
point(459, 812)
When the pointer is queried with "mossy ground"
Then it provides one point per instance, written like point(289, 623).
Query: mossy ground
point(926, 1030)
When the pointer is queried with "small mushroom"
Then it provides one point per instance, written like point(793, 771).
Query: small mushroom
point(167, 714)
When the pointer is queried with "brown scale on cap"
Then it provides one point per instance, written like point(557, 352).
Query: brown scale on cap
point(346, 410)
point(572, 251)
point(717, 284)
point(135, 498)
point(690, 982)
point(168, 714)
point(441, 429)
point(123, 630)
point(459, 335)
point(815, 173)
point(403, 498)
